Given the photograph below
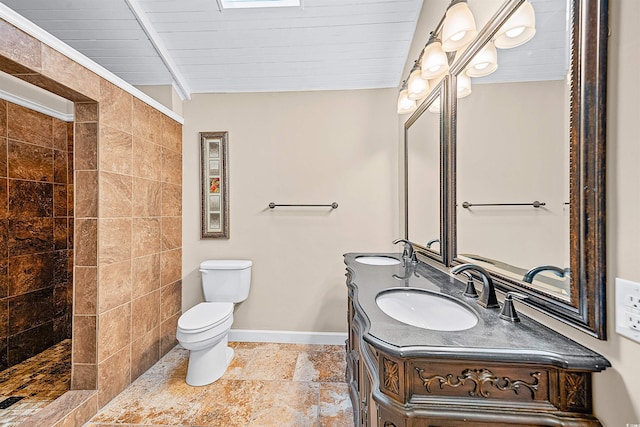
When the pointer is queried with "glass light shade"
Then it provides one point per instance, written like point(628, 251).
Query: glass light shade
point(406, 105)
point(485, 62)
point(519, 28)
point(434, 60)
point(463, 86)
point(435, 106)
point(417, 87)
point(459, 27)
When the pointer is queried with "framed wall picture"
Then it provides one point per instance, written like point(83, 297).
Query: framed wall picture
point(214, 185)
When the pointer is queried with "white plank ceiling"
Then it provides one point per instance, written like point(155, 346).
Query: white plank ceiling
point(323, 45)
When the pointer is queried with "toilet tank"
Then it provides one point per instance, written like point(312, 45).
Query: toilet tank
point(225, 280)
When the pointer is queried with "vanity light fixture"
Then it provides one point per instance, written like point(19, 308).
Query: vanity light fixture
point(417, 87)
point(519, 28)
point(485, 62)
point(405, 105)
point(434, 60)
point(463, 86)
point(459, 27)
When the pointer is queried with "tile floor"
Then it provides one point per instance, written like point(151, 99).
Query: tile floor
point(266, 385)
point(38, 381)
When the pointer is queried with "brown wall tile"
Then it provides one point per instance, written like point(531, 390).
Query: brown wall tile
point(30, 272)
point(145, 352)
point(86, 242)
point(4, 198)
point(171, 233)
point(4, 278)
point(30, 236)
point(145, 275)
point(27, 125)
point(115, 285)
point(171, 299)
point(171, 167)
point(3, 118)
point(115, 195)
point(116, 148)
point(171, 200)
point(86, 112)
point(145, 314)
point(4, 320)
point(20, 47)
point(146, 236)
point(147, 159)
point(86, 194)
point(69, 73)
point(60, 233)
point(146, 197)
point(171, 134)
point(60, 200)
point(30, 199)
point(29, 343)
point(116, 107)
point(60, 137)
point(30, 162)
point(170, 266)
point(114, 375)
point(86, 146)
point(81, 413)
point(84, 376)
point(168, 334)
point(115, 240)
point(84, 339)
point(4, 239)
point(114, 331)
point(30, 310)
point(60, 166)
point(86, 290)
point(3, 157)
point(147, 122)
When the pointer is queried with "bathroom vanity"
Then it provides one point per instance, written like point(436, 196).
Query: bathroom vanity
point(496, 372)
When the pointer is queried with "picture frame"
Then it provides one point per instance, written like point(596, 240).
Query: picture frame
point(214, 185)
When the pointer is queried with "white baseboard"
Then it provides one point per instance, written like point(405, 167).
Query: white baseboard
point(288, 337)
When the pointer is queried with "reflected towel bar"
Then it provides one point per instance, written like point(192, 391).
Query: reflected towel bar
point(333, 205)
point(535, 204)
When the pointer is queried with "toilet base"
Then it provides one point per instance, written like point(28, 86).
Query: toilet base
point(209, 364)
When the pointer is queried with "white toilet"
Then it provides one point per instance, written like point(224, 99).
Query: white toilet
point(204, 328)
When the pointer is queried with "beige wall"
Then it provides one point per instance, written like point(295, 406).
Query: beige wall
point(304, 147)
point(616, 390)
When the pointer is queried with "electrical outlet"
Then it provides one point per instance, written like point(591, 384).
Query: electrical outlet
point(628, 309)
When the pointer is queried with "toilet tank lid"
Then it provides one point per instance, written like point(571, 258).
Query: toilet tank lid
point(225, 264)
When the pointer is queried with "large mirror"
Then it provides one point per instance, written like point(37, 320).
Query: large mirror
point(423, 137)
point(529, 161)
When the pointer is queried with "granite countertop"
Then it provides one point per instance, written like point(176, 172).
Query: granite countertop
point(492, 339)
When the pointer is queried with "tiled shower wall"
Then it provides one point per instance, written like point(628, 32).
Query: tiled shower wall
point(127, 219)
point(36, 224)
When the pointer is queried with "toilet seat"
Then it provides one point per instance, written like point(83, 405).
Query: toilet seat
point(204, 316)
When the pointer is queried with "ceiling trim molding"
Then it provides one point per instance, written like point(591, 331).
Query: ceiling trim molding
point(32, 105)
point(20, 22)
point(158, 44)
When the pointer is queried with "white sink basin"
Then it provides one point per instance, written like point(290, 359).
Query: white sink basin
point(377, 260)
point(427, 310)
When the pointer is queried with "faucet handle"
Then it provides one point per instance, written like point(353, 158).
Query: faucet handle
point(508, 310)
point(470, 290)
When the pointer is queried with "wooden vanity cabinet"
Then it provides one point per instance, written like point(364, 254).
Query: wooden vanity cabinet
point(388, 391)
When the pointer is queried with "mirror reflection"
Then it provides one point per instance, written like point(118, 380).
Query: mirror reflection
point(422, 145)
point(512, 160)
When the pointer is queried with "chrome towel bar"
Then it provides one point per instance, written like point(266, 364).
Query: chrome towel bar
point(333, 205)
point(535, 204)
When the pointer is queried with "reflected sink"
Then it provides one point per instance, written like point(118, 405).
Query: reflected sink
point(377, 260)
point(427, 310)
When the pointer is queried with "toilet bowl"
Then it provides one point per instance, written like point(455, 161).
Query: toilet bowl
point(204, 328)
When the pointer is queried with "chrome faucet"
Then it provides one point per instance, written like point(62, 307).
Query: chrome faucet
point(560, 272)
point(488, 298)
point(407, 252)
